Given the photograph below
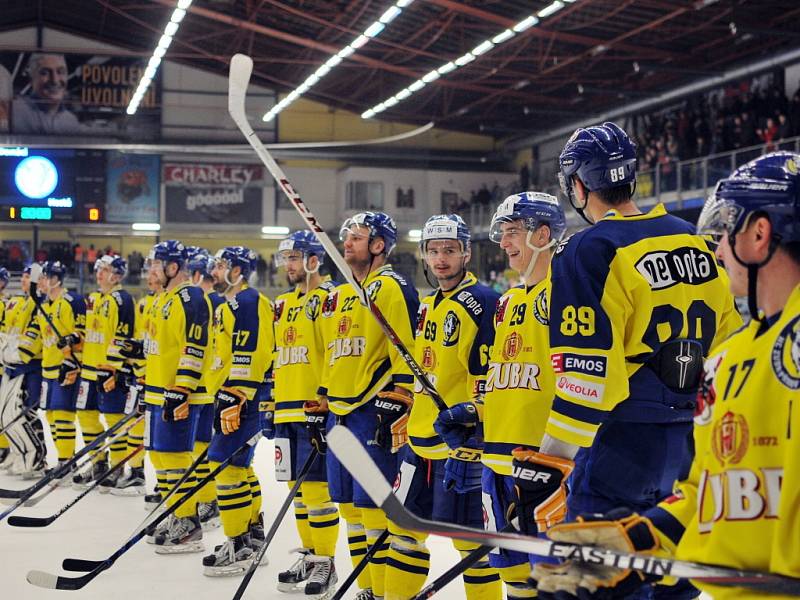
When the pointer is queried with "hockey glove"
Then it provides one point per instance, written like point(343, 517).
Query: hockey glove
point(68, 341)
point(316, 418)
point(456, 424)
point(229, 406)
point(106, 378)
point(69, 370)
point(392, 408)
point(539, 480)
point(137, 390)
point(619, 529)
point(176, 405)
point(463, 469)
point(132, 349)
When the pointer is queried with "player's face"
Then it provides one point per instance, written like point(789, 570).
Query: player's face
point(157, 273)
point(152, 281)
point(512, 241)
point(736, 271)
point(293, 263)
point(25, 282)
point(446, 260)
point(49, 80)
point(356, 246)
point(219, 272)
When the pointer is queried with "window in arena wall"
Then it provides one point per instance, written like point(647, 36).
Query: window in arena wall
point(364, 195)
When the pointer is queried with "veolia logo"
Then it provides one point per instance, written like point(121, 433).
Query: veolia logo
point(36, 177)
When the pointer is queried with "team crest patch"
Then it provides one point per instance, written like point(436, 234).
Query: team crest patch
point(730, 438)
point(278, 310)
point(166, 308)
point(373, 289)
point(290, 336)
point(312, 308)
point(329, 305)
point(500, 310)
point(344, 326)
point(540, 310)
point(451, 329)
point(428, 358)
point(707, 395)
point(512, 346)
point(562, 244)
point(786, 355)
point(421, 315)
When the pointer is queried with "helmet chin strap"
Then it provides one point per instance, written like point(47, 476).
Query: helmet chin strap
point(309, 272)
point(230, 283)
point(752, 274)
point(537, 250)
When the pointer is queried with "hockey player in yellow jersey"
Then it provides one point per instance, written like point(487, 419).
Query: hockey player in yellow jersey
point(5, 277)
point(637, 301)
point(299, 350)
point(22, 382)
point(67, 312)
point(176, 354)
point(244, 345)
point(738, 505)
point(365, 382)
point(454, 333)
point(520, 381)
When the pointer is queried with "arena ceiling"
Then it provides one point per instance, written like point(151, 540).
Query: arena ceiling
point(588, 57)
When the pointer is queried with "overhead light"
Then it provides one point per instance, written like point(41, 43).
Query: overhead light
point(502, 37)
point(311, 80)
point(333, 61)
point(359, 41)
point(416, 86)
point(368, 114)
point(403, 94)
point(390, 102)
point(275, 230)
point(322, 71)
point(374, 29)
point(390, 15)
point(170, 29)
point(548, 10)
point(432, 76)
point(526, 24)
point(403, 3)
point(415, 235)
point(379, 108)
point(345, 52)
point(146, 226)
point(482, 48)
point(463, 60)
point(446, 68)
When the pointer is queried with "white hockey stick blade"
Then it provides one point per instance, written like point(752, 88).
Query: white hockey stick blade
point(42, 579)
point(356, 460)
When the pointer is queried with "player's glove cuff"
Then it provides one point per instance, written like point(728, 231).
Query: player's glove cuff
point(69, 370)
point(392, 411)
point(230, 403)
point(132, 349)
point(176, 404)
point(540, 483)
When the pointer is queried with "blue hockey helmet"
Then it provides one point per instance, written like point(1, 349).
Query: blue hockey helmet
point(197, 260)
point(117, 264)
point(5, 276)
point(534, 209)
point(769, 184)
point(300, 241)
point(54, 268)
point(238, 256)
point(379, 224)
point(169, 251)
point(445, 227)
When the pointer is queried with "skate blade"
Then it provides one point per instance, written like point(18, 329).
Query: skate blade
point(128, 492)
point(292, 588)
point(187, 548)
point(210, 524)
point(323, 596)
point(228, 571)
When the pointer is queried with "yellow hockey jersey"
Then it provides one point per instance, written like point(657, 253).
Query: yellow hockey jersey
point(520, 382)
point(68, 313)
point(739, 505)
point(176, 348)
point(453, 336)
point(96, 338)
point(359, 359)
point(23, 327)
point(244, 342)
point(621, 290)
point(299, 351)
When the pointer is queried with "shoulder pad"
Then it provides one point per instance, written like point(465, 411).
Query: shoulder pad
point(470, 301)
point(117, 297)
point(328, 285)
point(391, 273)
point(68, 297)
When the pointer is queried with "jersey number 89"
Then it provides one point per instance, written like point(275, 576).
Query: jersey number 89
point(577, 321)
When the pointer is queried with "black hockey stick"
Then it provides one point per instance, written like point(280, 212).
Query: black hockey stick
point(83, 565)
point(24, 413)
point(47, 580)
point(357, 461)
point(362, 564)
point(301, 476)
point(238, 79)
point(61, 470)
point(23, 521)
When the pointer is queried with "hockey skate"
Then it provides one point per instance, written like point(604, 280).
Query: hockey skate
point(81, 481)
point(5, 458)
point(256, 535)
point(61, 463)
point(293, 580)
point(183, 536)
point(321, 583)
point(209, 515)
point(109, 482)
point(131, 484)
point(229, 559)
point(151, 501)
point(152, 531)
point(364, 595)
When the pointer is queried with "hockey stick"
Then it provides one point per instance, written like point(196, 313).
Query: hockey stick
point(357, 461)
point(83, 565)
point(362, 564)
point(23, 521)
point(47, 580)
point(25, 412)
point(238, 80)
point(301, 476)
point(36, 273)
point(61, 470)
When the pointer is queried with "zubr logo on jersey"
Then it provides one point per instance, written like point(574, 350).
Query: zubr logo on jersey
point(579, 389)
point(512, 375)
point(683, 265)
point(730, 438)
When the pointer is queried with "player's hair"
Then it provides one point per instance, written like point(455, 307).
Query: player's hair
point(614, 196)
point(792, 249)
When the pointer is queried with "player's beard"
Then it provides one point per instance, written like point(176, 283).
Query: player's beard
point(220, 286)
point(357, 263)
point(295, 279)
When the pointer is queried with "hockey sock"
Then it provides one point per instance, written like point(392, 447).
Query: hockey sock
point(161, 478)
point(516, 580)
point(64, 422)
point(255, 494)
point(136, 439)
point(407, 564)
point(375, 522)
point(235, 501)
point(481, 581)
point(3, 442)
point(323, 518)
point(208, 493)
point(173, 466)
point(119, 448)
point(301, 518)
point(50, 415)
point(356, 541)
point(89, 420)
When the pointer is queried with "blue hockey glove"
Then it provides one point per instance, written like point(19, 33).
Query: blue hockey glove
point(457, 424)
point(463, 469)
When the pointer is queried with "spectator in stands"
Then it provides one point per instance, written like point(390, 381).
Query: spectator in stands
point(784, 128)
point(768, 134)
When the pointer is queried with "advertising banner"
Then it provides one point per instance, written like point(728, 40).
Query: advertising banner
point(132, 188)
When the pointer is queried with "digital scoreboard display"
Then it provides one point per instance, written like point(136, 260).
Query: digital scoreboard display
point(61, 185)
